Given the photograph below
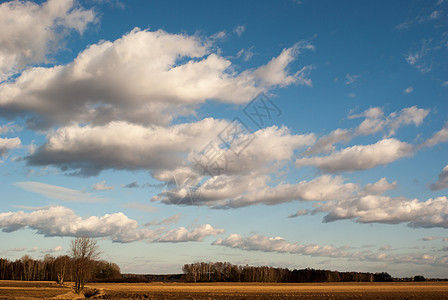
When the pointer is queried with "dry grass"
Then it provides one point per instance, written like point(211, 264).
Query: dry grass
point(11, 289)
point(414, 290)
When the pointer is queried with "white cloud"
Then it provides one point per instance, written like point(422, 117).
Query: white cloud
point(375, 120)
point(183, 235)
point(359, 157)
point(121, 145)
point(31, 31)
point(408, 90)
point(379, 187)
point(7, 144)
point(326, 143)
point(102, 186)
point(238, 191)
point(442, 182)
point(144, 77)
point(62, 221)
point(280, 245)
point(89, 149)
point(58, 192)
point(440, 136)
point(239, 30)
point(274, 73)
point(388, 210)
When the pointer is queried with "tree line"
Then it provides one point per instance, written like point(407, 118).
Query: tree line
point(82, 264)
point(227, 272)
point(50, 268)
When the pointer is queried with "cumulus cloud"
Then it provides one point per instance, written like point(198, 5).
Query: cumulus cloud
point(379, 187)
point(359, 157)
point(183, 235)
point(62, 221)
point(121, 145)
point(58, 192)
point(280, 245)
point(442, 183)
point(388, 210)
point(31, 31)
point(7, 144)
point(238, 191)
point(145, 77)
point(375, 120)
point(102, 186)
point(88, 150)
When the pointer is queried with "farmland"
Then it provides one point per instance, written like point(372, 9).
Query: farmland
point(157, 290)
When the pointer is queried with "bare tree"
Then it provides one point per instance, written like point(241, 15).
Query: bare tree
point(61, 265)
point(84, 252)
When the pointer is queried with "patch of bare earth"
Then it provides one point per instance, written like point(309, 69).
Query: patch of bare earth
point(275, 291)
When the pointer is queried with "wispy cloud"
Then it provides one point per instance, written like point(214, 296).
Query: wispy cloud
point(239, 30)
point(140, 206)
point(170, 220)
point(58, 192)
point(349, 79)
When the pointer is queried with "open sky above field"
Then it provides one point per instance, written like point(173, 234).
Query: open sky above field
point(285, 133)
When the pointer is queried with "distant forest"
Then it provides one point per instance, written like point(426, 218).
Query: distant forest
point(60, 269)
point(227, 272)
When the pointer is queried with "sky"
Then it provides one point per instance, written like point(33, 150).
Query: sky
point(284, 133)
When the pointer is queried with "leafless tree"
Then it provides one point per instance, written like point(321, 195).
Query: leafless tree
point(84, 252)
point(61, 265)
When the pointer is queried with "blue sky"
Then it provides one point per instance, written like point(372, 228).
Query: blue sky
point(285, 133)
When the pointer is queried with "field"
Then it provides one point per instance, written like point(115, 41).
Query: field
point(49, 290)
